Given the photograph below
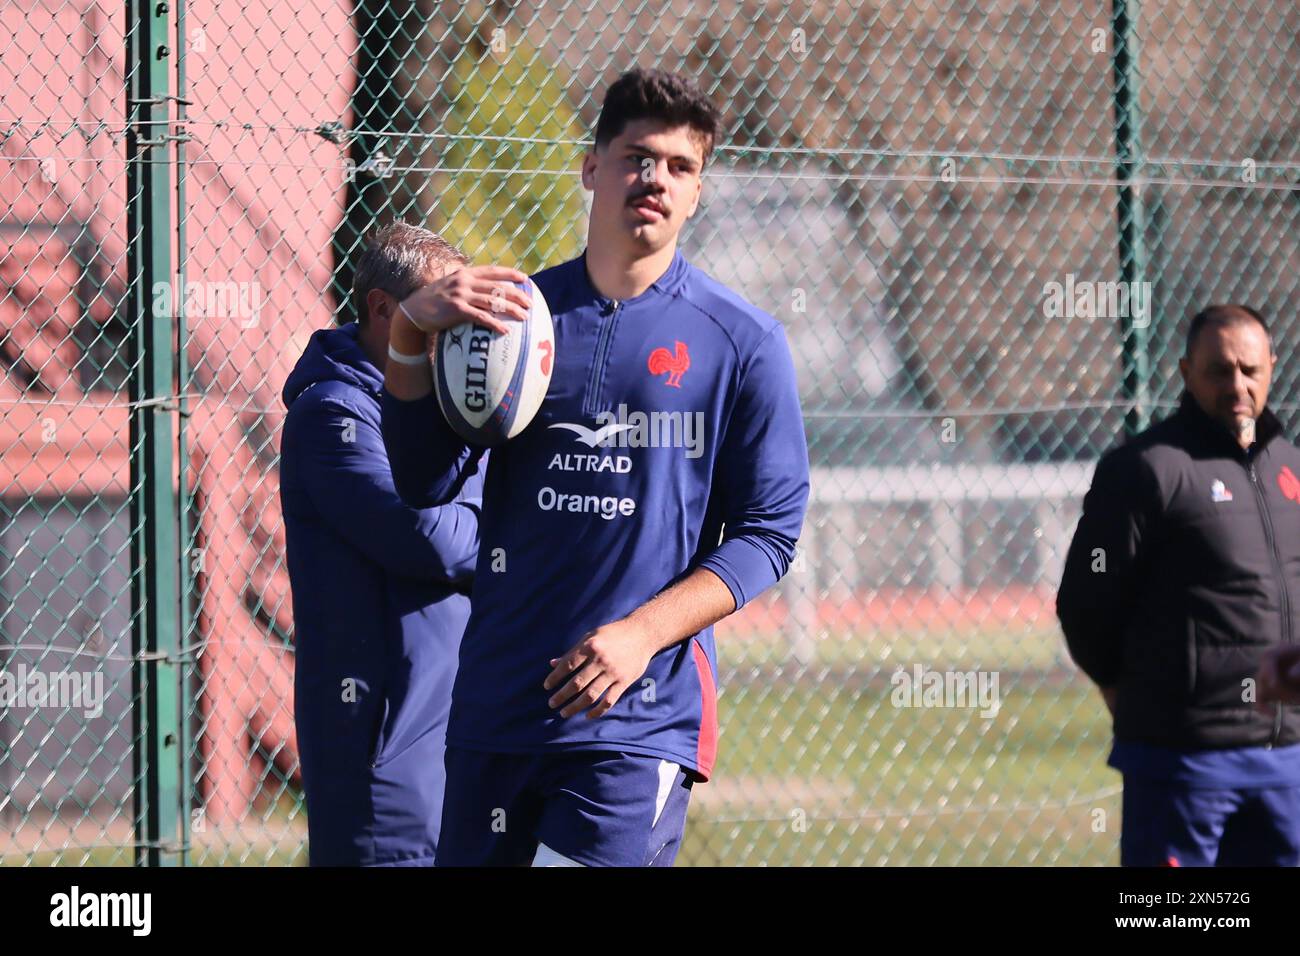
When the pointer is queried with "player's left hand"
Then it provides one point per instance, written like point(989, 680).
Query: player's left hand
point(599, 668)
point(1279, 677)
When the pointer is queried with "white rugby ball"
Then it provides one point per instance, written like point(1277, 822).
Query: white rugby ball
point(490, 385)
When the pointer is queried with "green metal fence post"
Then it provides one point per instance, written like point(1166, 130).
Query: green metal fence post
point(185, 495)
point(1131, 214)
point(156, 749)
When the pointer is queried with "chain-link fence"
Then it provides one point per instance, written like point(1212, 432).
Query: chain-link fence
point(981, 224)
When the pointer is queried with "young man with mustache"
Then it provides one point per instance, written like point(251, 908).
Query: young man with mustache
point(584, 707)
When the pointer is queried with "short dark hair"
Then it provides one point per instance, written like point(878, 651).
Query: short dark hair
point(656, 94)
point(398, 259)
point(1219, 316)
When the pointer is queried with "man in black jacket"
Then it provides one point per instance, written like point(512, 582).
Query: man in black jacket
point(1183, 573)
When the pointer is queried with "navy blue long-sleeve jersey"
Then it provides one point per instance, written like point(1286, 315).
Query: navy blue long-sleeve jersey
point(671, 439)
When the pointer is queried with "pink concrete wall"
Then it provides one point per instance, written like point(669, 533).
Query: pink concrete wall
point(261, 207)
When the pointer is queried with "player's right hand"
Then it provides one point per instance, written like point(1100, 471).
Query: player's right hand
point(481, 294)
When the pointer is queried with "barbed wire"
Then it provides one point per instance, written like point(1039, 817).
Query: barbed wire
point(89, 401)
point(960, 411)
point(828, 151)
point(185, 654)
point(968, 411)
point(1109, 182)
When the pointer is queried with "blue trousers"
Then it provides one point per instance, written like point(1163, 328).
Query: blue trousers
point(1173, 824)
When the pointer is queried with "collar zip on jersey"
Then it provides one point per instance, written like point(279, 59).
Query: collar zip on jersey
point(666, 284)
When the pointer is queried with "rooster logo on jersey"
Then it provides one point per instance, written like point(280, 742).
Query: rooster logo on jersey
point(675, 364)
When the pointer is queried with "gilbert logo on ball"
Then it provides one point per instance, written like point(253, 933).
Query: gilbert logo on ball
point(490, 385)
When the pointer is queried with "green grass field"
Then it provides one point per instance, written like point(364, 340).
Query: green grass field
point(842, 777)
point(817, 766)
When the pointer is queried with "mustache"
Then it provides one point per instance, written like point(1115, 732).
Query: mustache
point(656, 195)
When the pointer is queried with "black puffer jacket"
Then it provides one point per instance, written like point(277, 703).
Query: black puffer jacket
point(1185, 567)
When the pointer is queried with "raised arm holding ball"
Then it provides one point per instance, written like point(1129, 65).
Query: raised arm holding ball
point(660, 486)
point(485, 295)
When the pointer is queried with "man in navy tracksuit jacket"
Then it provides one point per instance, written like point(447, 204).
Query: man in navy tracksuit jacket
point(380, 589)
point(661, 486)
point(1182, 580)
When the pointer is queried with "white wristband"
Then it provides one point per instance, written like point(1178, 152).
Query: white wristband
point(402, 308)
point(403, 359)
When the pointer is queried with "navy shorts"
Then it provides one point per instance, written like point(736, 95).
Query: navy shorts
point(582, 807)
point(1174, 824)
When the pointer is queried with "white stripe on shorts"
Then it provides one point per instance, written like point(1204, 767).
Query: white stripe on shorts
point(548, 857)
point(667, 774)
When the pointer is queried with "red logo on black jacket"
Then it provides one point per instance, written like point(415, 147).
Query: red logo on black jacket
point(1289, 483)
